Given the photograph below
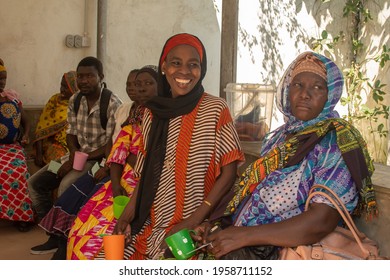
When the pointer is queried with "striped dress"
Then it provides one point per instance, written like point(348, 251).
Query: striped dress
point(198, 145)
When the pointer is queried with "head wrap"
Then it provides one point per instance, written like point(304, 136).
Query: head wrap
point(2, 67)
point(309, 63)
point(350, 142)
point(71, 80)
point(335, 81)
point(137, 110)
point(164, 108)
point(182, 39)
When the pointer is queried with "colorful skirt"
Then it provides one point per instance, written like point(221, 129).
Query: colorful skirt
point(60, 218)
point(95, 218)
point(15, 203)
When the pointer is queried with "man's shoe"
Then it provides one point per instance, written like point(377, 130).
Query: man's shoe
point(50, 246)
point(60, 254)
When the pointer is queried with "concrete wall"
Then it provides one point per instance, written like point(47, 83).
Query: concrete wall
point(33, 40)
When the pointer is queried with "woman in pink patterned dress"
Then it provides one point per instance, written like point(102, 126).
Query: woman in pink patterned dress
point(96, 217)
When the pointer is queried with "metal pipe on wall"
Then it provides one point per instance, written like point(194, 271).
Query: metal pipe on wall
point(101, 30)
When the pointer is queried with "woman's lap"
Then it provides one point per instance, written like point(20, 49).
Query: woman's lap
point(14, 199)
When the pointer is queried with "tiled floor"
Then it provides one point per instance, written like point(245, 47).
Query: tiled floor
point(15, 245)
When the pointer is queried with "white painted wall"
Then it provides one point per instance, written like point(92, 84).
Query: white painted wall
point(33, 34)
point(33, 40)
point(280, 30)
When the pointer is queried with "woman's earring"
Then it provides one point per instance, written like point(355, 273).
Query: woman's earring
point(163, 72)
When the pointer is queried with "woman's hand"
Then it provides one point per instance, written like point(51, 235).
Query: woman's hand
point(25, 140)
point(225, 241)
point(201, 232)
point(101, 174)
point(118, 190)
point(186, 223)
point(123, 227)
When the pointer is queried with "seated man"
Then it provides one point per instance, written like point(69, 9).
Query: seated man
point(90, 127)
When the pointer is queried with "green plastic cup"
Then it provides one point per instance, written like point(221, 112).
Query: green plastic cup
point(181, 244)
point(120, 203)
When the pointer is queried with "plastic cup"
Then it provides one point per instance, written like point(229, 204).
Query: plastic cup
point(120, 203)
point(114, 246)
point(181, 244)
point(79, 161)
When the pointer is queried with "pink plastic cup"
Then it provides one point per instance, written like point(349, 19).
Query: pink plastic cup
point(79, 161)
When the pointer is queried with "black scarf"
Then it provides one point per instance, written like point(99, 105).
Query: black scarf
point(163, 108)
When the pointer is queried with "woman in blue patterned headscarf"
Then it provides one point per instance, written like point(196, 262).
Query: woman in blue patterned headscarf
point(314, 146)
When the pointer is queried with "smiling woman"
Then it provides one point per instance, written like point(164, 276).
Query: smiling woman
point(182, 69)
point(188, 155)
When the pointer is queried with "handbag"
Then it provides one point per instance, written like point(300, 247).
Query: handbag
point(340, 244)
point(267, 252)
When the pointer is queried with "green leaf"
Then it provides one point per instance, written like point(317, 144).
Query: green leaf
point(324, 34)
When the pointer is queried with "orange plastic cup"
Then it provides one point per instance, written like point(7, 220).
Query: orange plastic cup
point(114, 246)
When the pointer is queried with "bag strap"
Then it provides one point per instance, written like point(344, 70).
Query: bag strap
point(104, 102)
point(339, 203)
point(340, 207)
point(77, 103)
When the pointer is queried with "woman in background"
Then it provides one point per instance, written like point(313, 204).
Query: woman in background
point(15, 204)
point(97, 216)
point(50, 134)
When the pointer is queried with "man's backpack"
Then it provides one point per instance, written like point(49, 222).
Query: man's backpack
point(104, 101)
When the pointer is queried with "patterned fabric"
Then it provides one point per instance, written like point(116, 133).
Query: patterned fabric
point(60, 218)
point(325, 150)
point(164, 108)
point(86, 126)
point(335, 89)
point(11, 95)
point(342, 136)
point(15, 204)
point(193, 173)
point(97, 215)
point(10, 115)
point(51, 128)
point(71, 80)
point(52, 124)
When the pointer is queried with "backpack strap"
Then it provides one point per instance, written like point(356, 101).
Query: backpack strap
point(77, 101)
point(104, 101)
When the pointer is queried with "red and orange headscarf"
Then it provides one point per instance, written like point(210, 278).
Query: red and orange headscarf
point(182, 39)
